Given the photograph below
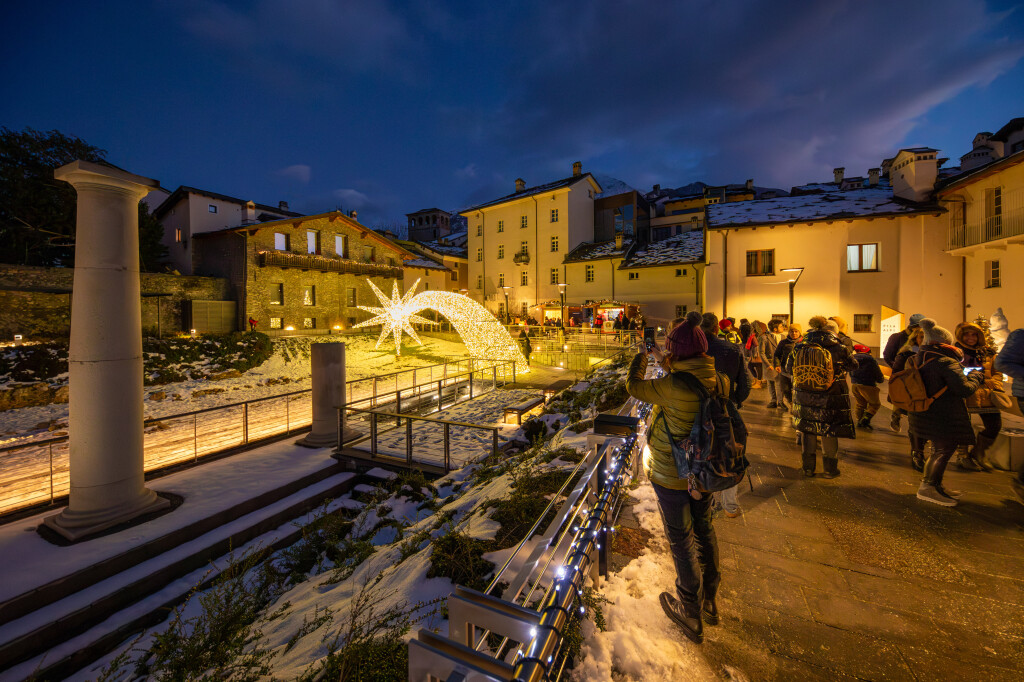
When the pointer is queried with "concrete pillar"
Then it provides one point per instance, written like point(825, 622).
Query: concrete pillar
point(105, 358)
point(327, 364)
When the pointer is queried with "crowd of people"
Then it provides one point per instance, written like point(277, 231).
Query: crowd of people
point(831, 386)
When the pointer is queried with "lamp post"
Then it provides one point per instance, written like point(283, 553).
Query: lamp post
point(792, 286)
point(561, 312)
point(505, 289)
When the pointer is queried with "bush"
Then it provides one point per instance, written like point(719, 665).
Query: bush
point(534, 429)
point(458, 557)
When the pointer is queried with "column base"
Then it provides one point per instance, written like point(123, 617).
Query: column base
point(326, 440)
point(75, 526)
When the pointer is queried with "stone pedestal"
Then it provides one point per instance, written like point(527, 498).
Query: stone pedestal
point(105, 357)
point(327, 364)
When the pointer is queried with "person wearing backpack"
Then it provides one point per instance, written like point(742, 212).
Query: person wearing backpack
point(970, 339)
point(865, 380)
point(899, 363)
point(794, 335)
point(1010, 361)
point(821, 398)
point(766, 345)
point(945, 420)
point(893, 346)
point(687, 517)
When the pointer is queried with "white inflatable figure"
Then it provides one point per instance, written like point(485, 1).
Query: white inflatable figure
point(998, 328)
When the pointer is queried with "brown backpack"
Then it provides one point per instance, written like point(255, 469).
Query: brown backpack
point(907, 390)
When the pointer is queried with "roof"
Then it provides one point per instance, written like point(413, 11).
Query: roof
point(916, 150)
point(530, 191)
point(443, 250)
point(687, 247)
point(427, 210)
point(184, 189)
point(1004, 133)
point(829, 205)
point(424, 261)
point(979, 172)
point(588, 251)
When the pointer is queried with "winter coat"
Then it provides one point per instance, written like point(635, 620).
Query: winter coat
point(868, 372)
point(768, 342)
point(731, 336)
point(670, 395)
point(947, 419)
point(729, 361)
point(782, 353)
point(1010, 361)
point(893, 345)
point(524, 342)
point(845, 340)
point(984, 357)
point(825, 413)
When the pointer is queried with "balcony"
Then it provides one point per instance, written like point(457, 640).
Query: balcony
point(997, 231)
point(312, 261)
point(521, 258)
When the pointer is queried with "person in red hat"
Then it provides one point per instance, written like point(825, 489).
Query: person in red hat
point(865, 380)
point(728, 333)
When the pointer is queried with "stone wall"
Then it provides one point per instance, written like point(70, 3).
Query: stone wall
point(34, 301)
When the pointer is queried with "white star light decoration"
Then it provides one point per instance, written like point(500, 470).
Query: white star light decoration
point(395, 316)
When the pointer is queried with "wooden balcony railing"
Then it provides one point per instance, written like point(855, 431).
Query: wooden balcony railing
point(312, 261)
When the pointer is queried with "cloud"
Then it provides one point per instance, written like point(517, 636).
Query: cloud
point(351, 198)
point(299, 171)
point(467, 172)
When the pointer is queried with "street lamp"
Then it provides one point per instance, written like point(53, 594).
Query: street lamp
point(505, 289)
point(561, 294)
point(792, 286)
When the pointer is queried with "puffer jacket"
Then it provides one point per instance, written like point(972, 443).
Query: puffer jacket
point(947, 419)
point(782, 353)
point(984, 357)
point(679, 404)
point(769, 341)
point(1010, 361)
point(825, 413)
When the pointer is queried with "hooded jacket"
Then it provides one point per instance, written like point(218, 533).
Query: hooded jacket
point(1010, 361)
point(947, 419)
point(979, 356)
point(671, 396)
point(825, 413)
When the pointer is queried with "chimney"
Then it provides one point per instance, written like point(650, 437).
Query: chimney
point(249, 213)
point(618, 241)
point(520, 185)
point(577, 169)
point(750, 185)
point(837, 173)
point(657, 189)
point(873, 176)
point(354, 214)
point(283, 205)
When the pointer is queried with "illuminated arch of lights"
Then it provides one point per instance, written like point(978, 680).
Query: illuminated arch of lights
point(480, 331)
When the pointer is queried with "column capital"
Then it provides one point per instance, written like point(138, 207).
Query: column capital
point(83, 173)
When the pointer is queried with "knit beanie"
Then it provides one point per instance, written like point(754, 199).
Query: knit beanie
point(933, 333)
point(915, 319)
point(861, 348)
point(832, 326)
point(724, 324)
point(795, 327)
point(688, 339)
point(818, 322)
point(840, 323)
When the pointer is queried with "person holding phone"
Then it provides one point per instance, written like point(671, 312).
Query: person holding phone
point(970, 339)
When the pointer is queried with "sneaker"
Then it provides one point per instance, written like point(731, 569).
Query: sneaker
point(955, 494)
point(930, 493)
point(733, 514)
point(709, 613)
point(894, 422)
point(965, 463)
point(692, 627)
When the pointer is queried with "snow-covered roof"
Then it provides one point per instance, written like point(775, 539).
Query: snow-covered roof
point(445, 249)
point(530, 191)
point(687, 247)
point(829, 205)
point(425, 263)
point(611, 186)
point(597, 251)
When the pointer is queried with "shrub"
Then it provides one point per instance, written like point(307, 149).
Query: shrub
point(458, 557)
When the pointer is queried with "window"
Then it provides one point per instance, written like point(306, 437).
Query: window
point(680, 310)
point(760, 263)
point(782, 317)
point(479, 255)
point(523, 309)
point(862, 258)
point(524, 278)
point(212, 208)
point(312, 241)
point(524, 221)
point(992, 274)
point(680, 272)
point(862, 322)
point(177, 234)
point(309, 295)
point(524, 248)
point(554, 275)
point(501, 251)
point(554, 215)
point(277, 294)
point(277, 323)
point(501, 279)
point(589, 273)
point(554, 244)
point(501, 226)
point(341, 245)
point(479, 230)
point(280, 241)
point(350, 297)
point(501, 310)
point(634, 275)
point(993, 213)
point(455, 276)
point(351, 322)
point(479, 281)
point(369, 254)
point(309, 323)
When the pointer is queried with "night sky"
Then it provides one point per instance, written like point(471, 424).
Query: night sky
point(389, 107)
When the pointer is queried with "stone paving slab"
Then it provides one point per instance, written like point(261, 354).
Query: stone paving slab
point(855, 578)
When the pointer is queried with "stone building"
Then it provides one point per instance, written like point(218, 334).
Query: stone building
point(429, 224)
point(307, 273)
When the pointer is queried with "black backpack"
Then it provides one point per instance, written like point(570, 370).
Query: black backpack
point(712, 456)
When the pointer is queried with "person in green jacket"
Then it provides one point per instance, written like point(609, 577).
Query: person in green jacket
point(687, 519)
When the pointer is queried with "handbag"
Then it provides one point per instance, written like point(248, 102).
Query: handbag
point(1000, 399)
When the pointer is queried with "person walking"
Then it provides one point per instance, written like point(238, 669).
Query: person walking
point(970, 339)
point(794, 335)
point(524, 342)
point(909, 350)
point(893, 346)
point(1010, 361)
point(687, 519)
point(766, 345)
point(821, 398)
point(946, 422)
point(864, 385)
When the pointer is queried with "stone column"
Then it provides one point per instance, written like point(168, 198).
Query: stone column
point(327, 364)
point(105, 406)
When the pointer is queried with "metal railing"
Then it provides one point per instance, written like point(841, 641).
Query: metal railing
point(1009, 223)
point(38, 472)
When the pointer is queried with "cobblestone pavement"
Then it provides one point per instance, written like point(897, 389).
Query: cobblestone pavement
point(856, 578)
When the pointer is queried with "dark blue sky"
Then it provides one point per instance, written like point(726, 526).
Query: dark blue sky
point(390, 107)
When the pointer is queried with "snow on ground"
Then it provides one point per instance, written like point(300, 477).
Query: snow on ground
point(640, 642)
point(277, 375)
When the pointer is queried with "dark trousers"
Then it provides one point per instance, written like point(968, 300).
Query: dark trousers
point(992, 423)
point(691, 538)
point(935, 467)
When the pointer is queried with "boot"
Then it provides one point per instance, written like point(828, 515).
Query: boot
point(917, 460)
point(808, 462)
point(677, 612)
point(709, 613)
point(964, 461)
point(831, 467)
point(865, 422)
point(894, 422)
point(931, 484)
point(978, 452)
